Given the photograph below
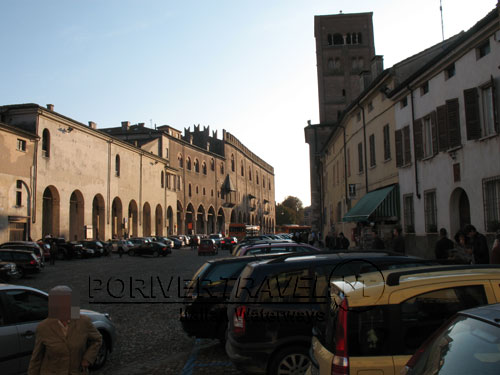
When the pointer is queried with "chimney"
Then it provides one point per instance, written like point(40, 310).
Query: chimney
point(92, 125)
point(50, 107)
point(377, 65)
point(141, 124)
point(125, 125)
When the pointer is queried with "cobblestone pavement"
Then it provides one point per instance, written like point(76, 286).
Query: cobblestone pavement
point(150, 339)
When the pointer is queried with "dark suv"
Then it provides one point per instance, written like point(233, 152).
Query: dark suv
point(204, 312)
point(275, 303)
point(26, 245)
point(25, 260)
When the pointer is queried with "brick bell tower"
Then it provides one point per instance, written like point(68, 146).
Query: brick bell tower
point(344, 48)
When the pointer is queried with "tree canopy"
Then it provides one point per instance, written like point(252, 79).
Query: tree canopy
point(290, 211)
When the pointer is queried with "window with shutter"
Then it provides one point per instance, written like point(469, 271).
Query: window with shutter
point(399, 148)
point(426, 137)
point(434, 133)
point(360, 157)
point(406, 145)
point(442, 128)
point(472, 121)
point(453, 123)
point(417, 134)
point(372, 150)
point(387, 143)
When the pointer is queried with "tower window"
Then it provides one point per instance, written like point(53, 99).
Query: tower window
point(338, 39)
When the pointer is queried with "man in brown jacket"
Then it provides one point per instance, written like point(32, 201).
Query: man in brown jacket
point(66, 342)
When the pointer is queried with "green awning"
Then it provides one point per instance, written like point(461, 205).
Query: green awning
point(381, 203)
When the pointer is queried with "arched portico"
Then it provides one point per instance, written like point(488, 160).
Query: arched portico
point(200, 220)
point(117, 218)
point(146, 220)
point(98, 220)
point(76, 218)
point(159, 221)
point(133, 215)
point(50, 212)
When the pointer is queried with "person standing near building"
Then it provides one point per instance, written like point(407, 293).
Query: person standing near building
point(377, 243)
point(398, 241)
point(443, 245)
point(480, 252)
point(343, 241)
point(495, 251)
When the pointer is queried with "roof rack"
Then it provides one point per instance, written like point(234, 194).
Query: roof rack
point(393, 278)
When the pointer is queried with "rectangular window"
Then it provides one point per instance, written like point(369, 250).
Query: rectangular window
point(360, 157)
point(449, 71)
point(483, 49)
point(488, 114)
point(430, 208)
point(491, 198)
point(21, 144)
point(372, 150)
point(19, 198)
point(424, 89)
point(370, 106)
point(358, 116)
point(404, 102)
point(387, 143)
point(409, 214)
point(166, 153)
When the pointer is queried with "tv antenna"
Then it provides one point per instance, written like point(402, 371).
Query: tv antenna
point(441, 10)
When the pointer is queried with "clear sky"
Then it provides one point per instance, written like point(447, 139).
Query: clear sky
point(245, 66)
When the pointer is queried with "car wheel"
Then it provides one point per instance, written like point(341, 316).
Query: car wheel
point(131, 253)
point(156, 254)
point(291, 360)
point(102, 355)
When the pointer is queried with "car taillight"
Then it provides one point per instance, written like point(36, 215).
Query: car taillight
point(239, 320)
point(340, 361)
point(33, 262)
point(164, 248)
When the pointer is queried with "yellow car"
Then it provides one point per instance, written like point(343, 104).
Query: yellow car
point(377, 321)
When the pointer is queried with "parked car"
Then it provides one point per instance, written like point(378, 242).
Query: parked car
point(25, 260)
point(8, 270)
point(120, 245)
point(228, 243)
point(207, 293)
point(377, 323)
point(23, 308)
point(150, 248)
point(184, 239)
point(275, 303)
point(26, 245)
point(45, 246)
point(277, 247)
point(207, 246)
point(96, 246)
point(217, 237)
point(178, 243)
point(256, 241)
point(167, 241)
point(469, 343)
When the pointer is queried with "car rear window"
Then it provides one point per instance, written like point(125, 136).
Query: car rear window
point(221, 271)
point(466, 346)
point(206, 242)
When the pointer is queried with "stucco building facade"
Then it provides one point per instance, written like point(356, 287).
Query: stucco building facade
point(65, 178)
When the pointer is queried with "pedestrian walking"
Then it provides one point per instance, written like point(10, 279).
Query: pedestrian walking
point(480, 252)
point(53, 251)
point(120, 251)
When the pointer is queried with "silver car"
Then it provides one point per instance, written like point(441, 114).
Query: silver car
point(21, 309)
